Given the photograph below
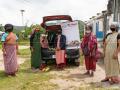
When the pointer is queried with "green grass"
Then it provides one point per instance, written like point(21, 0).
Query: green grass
point(26, 80)
point(81, 58)
point(24, 42)
point(0, 46)
point(24, 53)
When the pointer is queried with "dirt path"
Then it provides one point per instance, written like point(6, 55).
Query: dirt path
point(20, 60)
point(73, 79)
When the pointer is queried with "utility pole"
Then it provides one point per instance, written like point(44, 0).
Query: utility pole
point(22, 12)
point(105, 23)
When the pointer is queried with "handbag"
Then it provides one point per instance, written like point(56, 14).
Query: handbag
point(98, 54)
point(86, 50)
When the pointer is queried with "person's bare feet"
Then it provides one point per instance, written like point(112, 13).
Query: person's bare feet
point(92, 74)
point(87, 73)
point(112, 82)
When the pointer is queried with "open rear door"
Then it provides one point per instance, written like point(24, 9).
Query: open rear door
point(53, 22)
point(71, 31)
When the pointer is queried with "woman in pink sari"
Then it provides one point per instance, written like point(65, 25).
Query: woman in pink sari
point(9, 48)
point(89, 48)
point(60, 44)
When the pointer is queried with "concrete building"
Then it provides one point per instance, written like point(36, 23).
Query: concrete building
point(113, 7)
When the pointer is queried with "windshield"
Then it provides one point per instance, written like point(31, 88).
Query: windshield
point(55, 22)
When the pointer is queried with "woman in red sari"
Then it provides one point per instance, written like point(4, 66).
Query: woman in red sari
point(89, 48)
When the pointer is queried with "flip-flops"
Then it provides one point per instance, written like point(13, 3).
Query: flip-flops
point(105, 80)
point(46, 69)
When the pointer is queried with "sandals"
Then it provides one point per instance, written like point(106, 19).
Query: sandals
point(105, 80)
point(45, 69)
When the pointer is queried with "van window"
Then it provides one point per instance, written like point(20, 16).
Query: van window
point(55, 22)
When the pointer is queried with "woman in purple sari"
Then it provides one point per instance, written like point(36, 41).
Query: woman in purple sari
point(9, 48)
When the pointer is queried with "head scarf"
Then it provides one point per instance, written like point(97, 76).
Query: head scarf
point(91, 41)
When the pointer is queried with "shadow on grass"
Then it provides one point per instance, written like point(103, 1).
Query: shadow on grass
point(2, 75)
point(78, 76)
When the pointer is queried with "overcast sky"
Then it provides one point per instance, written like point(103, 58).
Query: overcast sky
point(36, 9)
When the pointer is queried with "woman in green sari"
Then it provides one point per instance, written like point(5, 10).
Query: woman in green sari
point(35, 48)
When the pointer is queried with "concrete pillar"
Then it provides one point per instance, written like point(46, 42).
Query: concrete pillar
point(119, 10)
point(116, 10)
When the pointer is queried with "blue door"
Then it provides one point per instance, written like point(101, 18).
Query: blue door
point(99, 34)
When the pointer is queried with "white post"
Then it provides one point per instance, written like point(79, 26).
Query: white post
point(22, 12)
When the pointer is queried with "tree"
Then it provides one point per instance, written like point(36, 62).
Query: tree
point(1, 27)
point(28, 30)
point(42, 30)
point(81, 28)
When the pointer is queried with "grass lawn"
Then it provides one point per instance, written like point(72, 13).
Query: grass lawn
point(26, 80)
point(24, 42)
point(24, 53)
point(0, 45)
